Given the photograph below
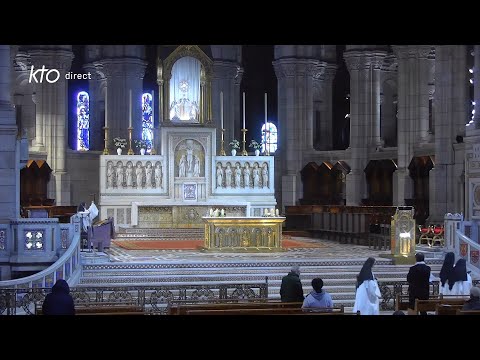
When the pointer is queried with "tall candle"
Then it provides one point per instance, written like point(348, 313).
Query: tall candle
point(265, 111)
point(221, 109)
point(153, 108)
point(130, 108)
point(244, 110)
point(106, 107)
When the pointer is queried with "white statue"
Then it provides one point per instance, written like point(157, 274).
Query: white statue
point(110, 175)
point(139, 175)
point(265, 175)
point(148, 175)
point(219, 176)
point(196, 166)
point(119, 174)
point(228, 176)
point(256, 176)
point(158, 175)
point(189, 157)
point(129, 174)
point(238, 176)
point(246, 175)
point(182, 167)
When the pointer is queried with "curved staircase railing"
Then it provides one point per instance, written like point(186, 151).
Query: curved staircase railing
point(67, 267)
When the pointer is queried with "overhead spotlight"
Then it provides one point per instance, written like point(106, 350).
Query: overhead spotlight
point(471, 71)
point(347, 116)
point(471, 81)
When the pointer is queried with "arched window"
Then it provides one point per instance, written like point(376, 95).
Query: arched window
point(147, 120)
point(271, 137)
point(83, 121)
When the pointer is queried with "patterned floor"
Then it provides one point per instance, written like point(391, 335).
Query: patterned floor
point(330, 250)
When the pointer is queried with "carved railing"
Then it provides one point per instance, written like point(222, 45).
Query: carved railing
point(152, 299)
point(67, 267)
point(390, 289)
point(458, 238)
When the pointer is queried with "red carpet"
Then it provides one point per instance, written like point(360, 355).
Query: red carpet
point(194, 244)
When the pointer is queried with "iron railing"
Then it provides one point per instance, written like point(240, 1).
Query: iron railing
point(152, 299)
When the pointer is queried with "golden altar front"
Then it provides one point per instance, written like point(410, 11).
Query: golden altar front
point(243, 233)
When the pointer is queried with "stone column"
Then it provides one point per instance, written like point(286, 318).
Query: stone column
point(377, 60)
point(123, 75)
point(51, 113)
point(358, 66)
point(97, 108)
point(323, 105)
point(451, 113)
point(402, 183)
point(295, 119)
point(9, 171)
point(223, 80)
point(476, 85)
point(423, 74)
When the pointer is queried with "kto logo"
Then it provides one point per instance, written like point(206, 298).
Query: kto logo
point(51, 75)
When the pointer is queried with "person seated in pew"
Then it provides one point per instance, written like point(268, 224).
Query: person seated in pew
point(460, 281)
point(317, 298)
point(474, 302)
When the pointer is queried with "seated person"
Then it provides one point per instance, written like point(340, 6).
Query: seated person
point(317, 298)
point(474, 302)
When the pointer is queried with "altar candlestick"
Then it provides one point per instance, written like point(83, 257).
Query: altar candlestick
point(221, 109)
point(130, 109)
point(265, 111)
point(106, 107)
point(153, 108)
point(244, 110)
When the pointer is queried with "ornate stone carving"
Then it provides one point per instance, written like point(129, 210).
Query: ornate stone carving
point(3, 239)
point(191, 158)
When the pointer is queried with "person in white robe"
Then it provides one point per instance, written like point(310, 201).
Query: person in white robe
point(88, 215)
point(460, 281)
point(445, 272)
point(367, 297)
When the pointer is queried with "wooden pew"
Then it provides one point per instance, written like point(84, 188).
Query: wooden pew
point(179, 308)
point(468, 312)
point(265, 311)
point(447, 309)
point(430, 304)
point(99, 308)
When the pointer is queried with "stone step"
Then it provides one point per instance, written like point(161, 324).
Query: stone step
point(170, 233)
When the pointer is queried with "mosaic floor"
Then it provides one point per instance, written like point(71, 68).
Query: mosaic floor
point(330, 250)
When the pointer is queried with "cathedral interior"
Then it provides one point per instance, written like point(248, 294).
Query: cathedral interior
point(314, 140)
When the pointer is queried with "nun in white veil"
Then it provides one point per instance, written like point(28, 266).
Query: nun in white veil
point(367, 297)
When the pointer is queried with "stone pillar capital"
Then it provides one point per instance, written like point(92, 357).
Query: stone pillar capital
point(51, 59)
point(123, 67)
point(224, 69)
point(291, 67)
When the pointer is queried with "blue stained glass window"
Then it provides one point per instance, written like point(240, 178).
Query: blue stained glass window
point(83, 121)
point(271, 137)
point(147, 120)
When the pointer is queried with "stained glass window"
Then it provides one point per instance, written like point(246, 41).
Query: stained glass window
point(271, 137)
point(147, 120)
point(83, 121)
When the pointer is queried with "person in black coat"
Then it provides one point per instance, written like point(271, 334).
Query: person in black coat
point(291, 288)
point(418, 278)
point(59, 301)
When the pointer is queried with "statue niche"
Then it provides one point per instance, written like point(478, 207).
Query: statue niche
point(185, 78)
point(190, 159)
